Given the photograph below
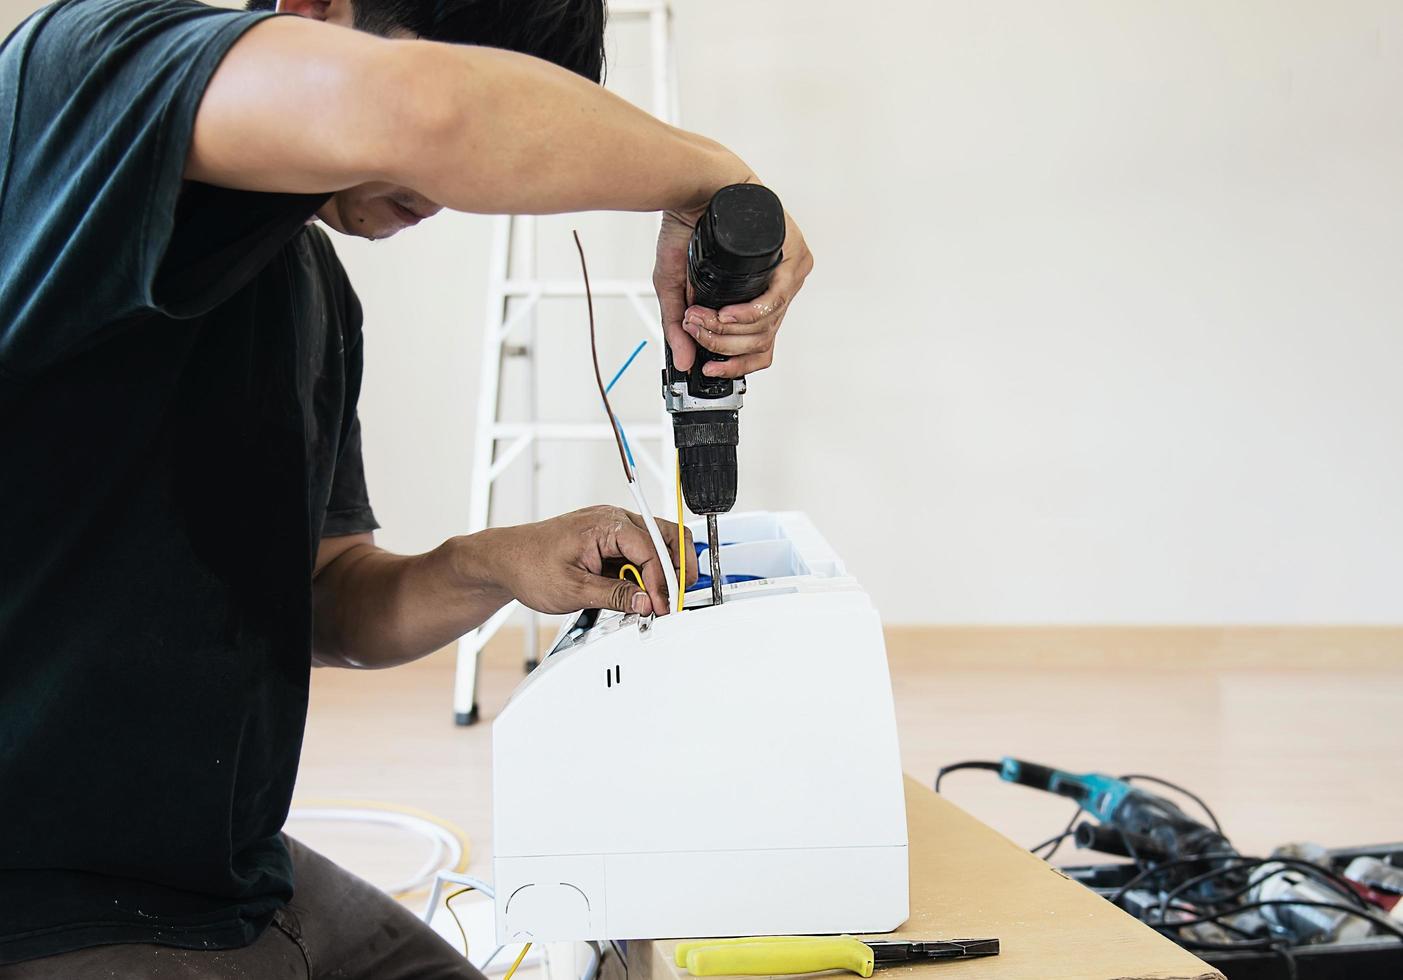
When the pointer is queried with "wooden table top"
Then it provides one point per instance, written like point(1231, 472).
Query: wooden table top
point(967, 881)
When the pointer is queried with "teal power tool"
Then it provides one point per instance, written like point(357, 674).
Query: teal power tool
point(1132, 822)
point(1186, 879)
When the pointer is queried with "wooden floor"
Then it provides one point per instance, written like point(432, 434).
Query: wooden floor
point(1290, 734)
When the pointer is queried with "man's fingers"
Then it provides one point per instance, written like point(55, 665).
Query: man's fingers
point(633, 544)
point(691, 552)
point(680, 342)
point(735, 319)
point(731, 346)
point(620, 595)
point(670, 283)
point(738, 366)
point(700, 316)
point(672, 302)
point(746, 332)
point(637, 545)
point(656, 582)
point(668, 530)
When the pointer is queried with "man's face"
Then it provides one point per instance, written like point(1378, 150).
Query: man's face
point(376, 210)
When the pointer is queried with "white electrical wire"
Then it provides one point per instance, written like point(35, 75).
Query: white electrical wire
point(456, 878)
point(482, 967)
point(597, 955)
point(448, 848)
point(635, 487)
point(625, 456)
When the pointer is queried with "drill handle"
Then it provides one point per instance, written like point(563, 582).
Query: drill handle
point(1098, 794)
point(734, 249)
point(1026, 773)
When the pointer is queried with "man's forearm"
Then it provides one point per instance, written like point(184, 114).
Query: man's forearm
point(551, 142)
point(376, 609)
point(474, 128)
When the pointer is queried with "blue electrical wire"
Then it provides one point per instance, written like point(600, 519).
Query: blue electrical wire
point(624, 436)
point(610, 387)
point(620, 372)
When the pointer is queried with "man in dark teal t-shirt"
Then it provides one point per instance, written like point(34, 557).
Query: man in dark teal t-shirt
point(185, 523)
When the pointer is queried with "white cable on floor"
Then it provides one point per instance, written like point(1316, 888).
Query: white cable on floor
point(448, 848)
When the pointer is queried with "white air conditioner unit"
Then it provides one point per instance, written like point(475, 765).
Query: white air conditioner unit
point(728, 770)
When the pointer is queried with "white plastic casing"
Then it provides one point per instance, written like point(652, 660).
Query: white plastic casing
point(726, 771)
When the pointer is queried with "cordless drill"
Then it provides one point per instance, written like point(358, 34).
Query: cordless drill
point(734, 250)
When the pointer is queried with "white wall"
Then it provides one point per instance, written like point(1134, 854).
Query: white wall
point(1104, 325)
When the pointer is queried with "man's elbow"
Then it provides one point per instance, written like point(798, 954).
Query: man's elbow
point(329, 653)
point(327, 650)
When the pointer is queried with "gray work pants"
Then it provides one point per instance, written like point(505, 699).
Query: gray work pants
point(337, 927)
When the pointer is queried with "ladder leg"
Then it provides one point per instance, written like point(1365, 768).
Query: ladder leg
point(465, 680)
point(533, 459)
point(470, 649)
point(470, 646)
point(533, 641)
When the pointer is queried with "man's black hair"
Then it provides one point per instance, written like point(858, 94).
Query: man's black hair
point(569, 33)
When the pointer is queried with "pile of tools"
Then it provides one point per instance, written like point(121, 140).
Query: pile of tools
point(1186, 879)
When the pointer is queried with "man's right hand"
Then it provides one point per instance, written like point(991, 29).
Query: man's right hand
point(745, 332)
point(570, 562)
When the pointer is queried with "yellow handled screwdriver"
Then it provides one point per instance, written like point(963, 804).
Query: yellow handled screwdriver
point(784, 955)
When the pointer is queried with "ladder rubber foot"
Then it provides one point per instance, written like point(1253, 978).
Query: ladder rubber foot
point(465, 718)
point(532, 665)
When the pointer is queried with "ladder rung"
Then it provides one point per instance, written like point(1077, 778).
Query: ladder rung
point(632, 8)
point(566, 431)
point(576, 287)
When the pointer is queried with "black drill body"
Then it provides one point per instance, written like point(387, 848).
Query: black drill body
point(733, 252)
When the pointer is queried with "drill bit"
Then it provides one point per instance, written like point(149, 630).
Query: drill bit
point(713, 547)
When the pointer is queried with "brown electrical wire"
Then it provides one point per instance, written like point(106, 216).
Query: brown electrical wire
point(594, 354)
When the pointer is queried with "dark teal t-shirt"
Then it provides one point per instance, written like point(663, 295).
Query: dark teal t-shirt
point(179, 369)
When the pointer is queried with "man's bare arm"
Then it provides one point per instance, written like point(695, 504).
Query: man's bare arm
point(376, 609)
point(301, 106)
point(372, 608)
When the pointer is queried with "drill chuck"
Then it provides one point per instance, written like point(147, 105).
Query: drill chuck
point(707, 444)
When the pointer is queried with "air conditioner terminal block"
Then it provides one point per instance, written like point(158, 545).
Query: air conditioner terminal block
point(728, 770)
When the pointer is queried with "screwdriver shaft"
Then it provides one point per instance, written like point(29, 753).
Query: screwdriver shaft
point(713, 547)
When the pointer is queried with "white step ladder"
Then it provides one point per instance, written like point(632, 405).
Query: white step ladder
point(514, 292)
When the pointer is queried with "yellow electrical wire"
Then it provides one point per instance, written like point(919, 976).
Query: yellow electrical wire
point(448, 904)
point(632, 570)
point(519, 957)
point(681, 540)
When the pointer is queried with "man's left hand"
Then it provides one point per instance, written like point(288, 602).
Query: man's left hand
point(571, 562)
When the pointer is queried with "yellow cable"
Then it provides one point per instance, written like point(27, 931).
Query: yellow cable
point(628, 570)
point(448, 904)
point(519, 957)
point(681, 540)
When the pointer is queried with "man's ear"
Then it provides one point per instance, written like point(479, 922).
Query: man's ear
point(315, 9)
point(331, 11)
